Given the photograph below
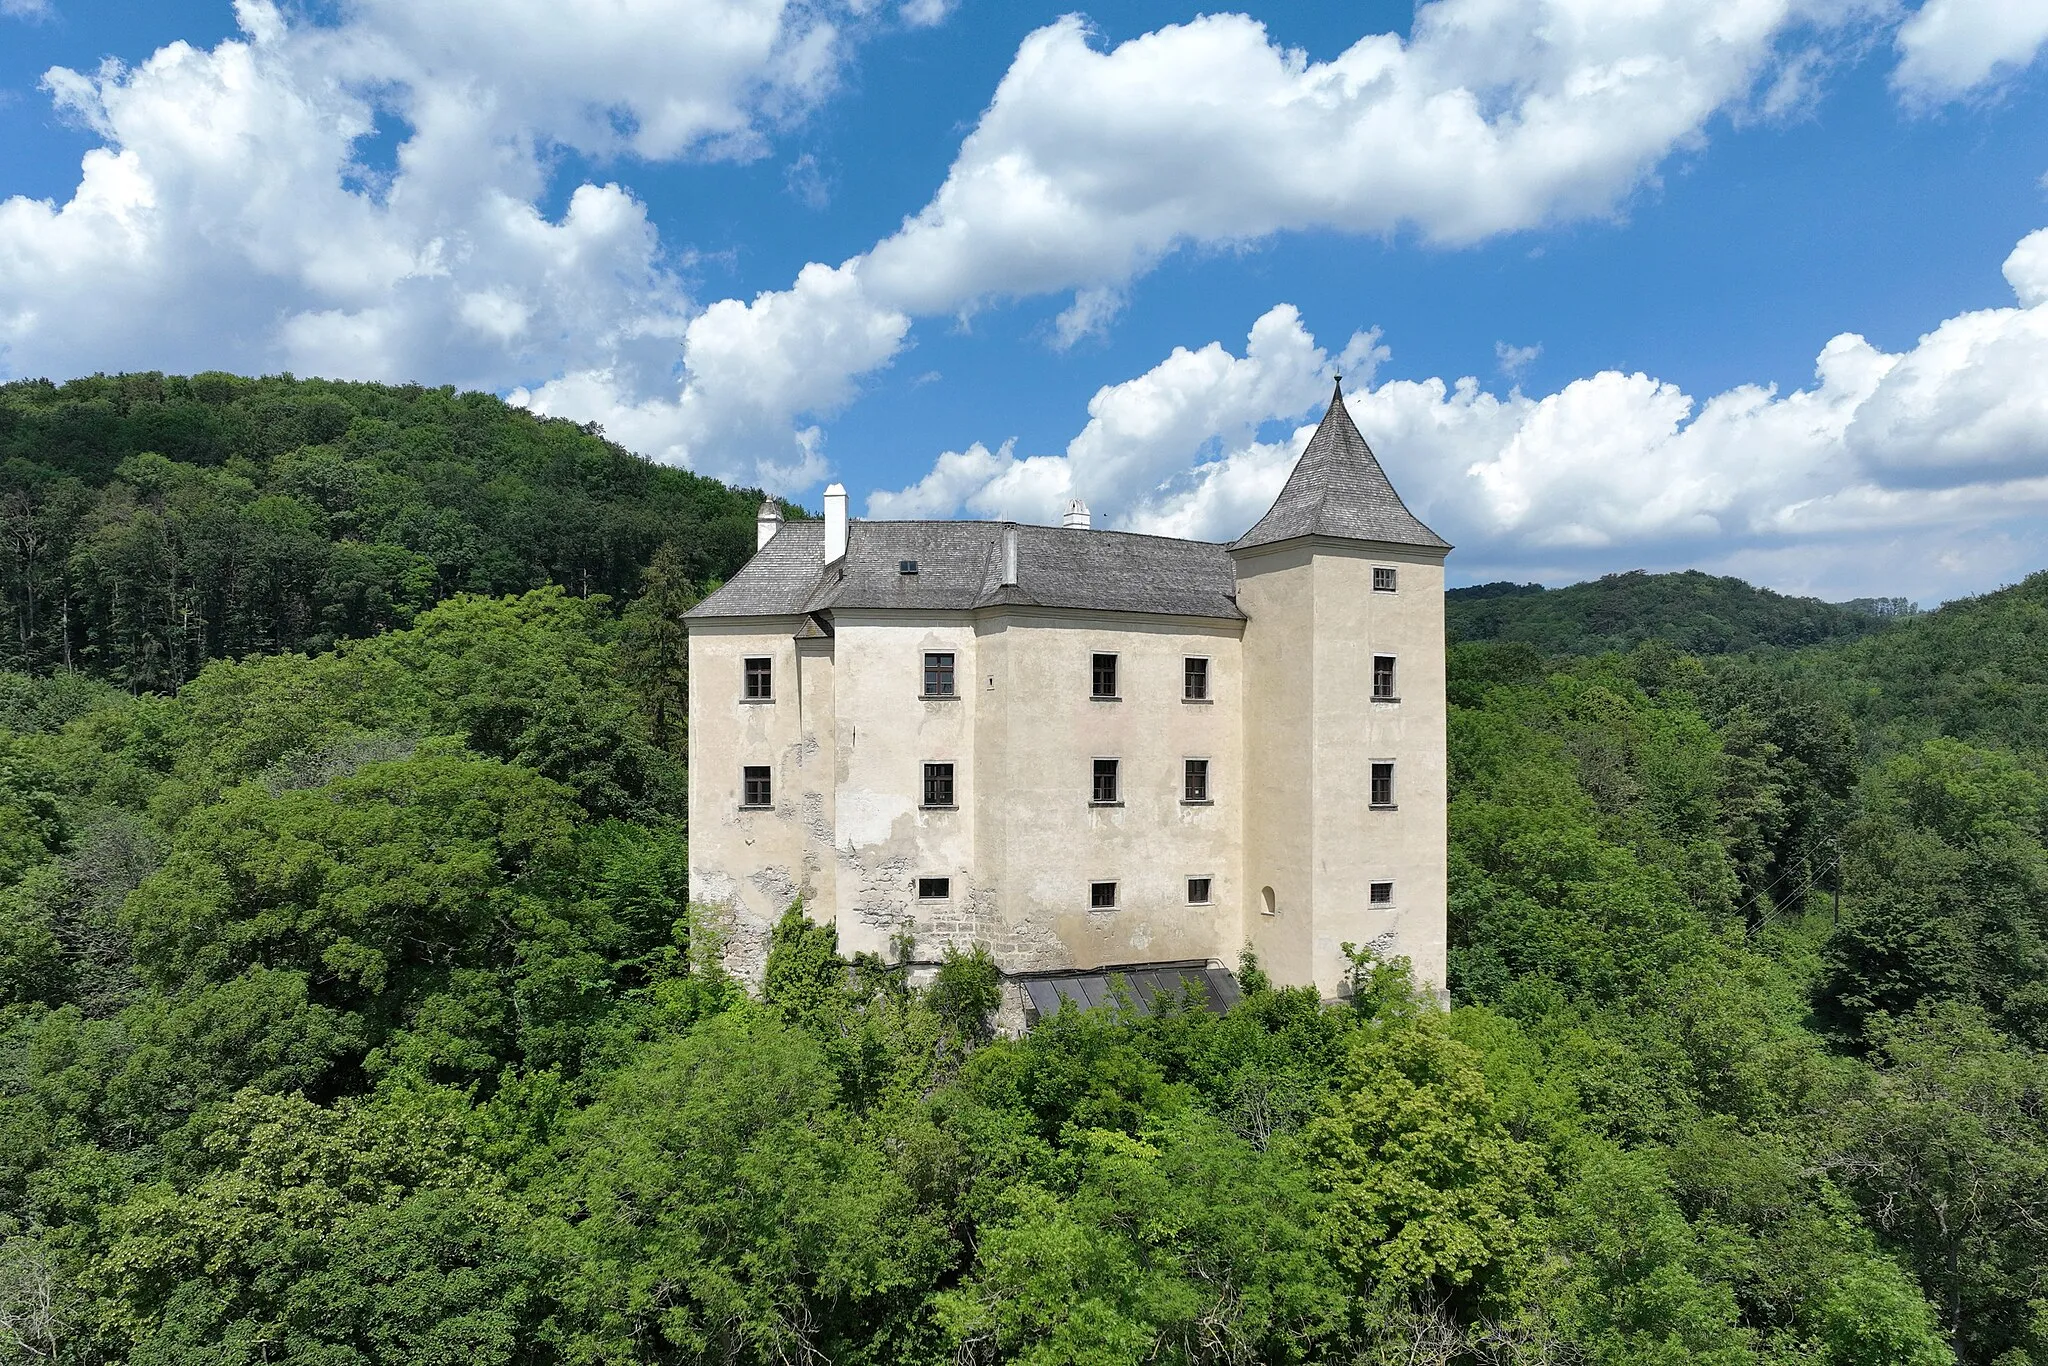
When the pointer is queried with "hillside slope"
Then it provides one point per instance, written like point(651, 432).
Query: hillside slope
point(149, 523)
point(1975, 670)
point(1698, 613)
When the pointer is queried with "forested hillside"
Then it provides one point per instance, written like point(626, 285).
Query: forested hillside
point(351, 1010)
point(1696, 612)
point(151, 523)
point(354, 1014)
point(1977, 669)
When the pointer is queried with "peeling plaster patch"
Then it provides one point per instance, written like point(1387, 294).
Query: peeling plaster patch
point(869, 818)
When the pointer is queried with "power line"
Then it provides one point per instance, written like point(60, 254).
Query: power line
point(1811, 882)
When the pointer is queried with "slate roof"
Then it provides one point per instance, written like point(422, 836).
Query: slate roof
point(960, 567)
point(1338, 489)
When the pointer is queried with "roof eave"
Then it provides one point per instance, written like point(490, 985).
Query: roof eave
point(1437, 549)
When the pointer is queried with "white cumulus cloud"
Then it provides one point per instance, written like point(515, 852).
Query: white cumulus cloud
point(1142, 433)
point(1922, 468)
point(362, 197)
point(1948, 48)
point(238, 214)
point(1091, 164)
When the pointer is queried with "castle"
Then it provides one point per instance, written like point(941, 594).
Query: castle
point(1085, 749)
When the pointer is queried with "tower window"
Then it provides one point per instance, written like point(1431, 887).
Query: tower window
point(938, 675)
point(1195, 780)
point(1102, 896)
point(1382, 793)
point(1105, 789)
point(756, 790)
point(1383, 678)
point(1382, 579)
point(1381, 894)
point(760, 678)
point(1194, 679)
point(1198, 891)
point(1104, 676)
point(938, 785)
point(934, 888)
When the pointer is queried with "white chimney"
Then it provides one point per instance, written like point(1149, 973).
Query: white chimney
point(1009, 557)
point(767, 522)
point(1077, 516)
point(835, 523)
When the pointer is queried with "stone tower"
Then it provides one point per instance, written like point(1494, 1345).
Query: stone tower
point(1344, 719)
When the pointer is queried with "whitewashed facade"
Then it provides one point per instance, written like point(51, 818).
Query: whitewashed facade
point(1082, 748)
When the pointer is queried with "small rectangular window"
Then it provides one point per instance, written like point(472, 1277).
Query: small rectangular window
point(1195, 679)
point(1382, 782)
point(1105, 782)
point(1102, 896)
point(1104, 682)
point(1195, 780)
point(938, 675)
point(1382, 580)
point(1383, 678)
point(760, 678)
point(938, 784)
point(1382, 894)
point(1198, 891)
point(755, 788)
point(934, 888)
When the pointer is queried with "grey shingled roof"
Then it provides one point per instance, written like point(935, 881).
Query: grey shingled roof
point(1338, 489)
point(776, 582)
point(960, 567)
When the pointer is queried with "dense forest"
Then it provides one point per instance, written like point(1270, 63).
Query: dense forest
point(1696, 612)
point(351, 1011)
point(149, 524)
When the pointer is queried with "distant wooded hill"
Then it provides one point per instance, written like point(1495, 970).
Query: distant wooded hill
point(1695, 612)
point(1974, 670)
point(149, 523)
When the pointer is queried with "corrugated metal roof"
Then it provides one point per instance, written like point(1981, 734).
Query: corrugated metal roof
point(1338, 489)
point(1142, 983)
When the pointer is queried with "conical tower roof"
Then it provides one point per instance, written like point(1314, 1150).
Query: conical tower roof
point(1338, 489)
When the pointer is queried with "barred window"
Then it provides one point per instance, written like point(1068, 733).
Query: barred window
point(1104, 681)
point(1382, 894)
point(1195, 679)
point(934, 888)
point(1198, 891)
point(760, 678)
point(1195, 780)
point(938, 785)
point(938, 675)
point(1104, 792)
point(755, 787)
point(1383, 678)
point(1382, 782)
point(1102, 896)
point(1382, 580)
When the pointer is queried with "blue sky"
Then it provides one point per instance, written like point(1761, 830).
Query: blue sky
point(1579, 260)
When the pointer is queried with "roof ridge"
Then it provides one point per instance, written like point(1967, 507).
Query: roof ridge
point(1025, 526)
